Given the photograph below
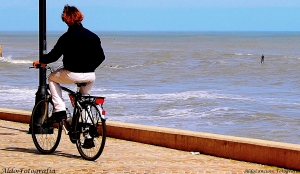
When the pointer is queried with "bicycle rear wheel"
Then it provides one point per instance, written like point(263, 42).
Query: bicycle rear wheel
point(46, 139)
point(96, 130)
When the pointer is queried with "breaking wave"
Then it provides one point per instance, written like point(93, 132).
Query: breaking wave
point(9, 59)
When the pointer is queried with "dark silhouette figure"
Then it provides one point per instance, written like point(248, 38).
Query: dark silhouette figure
point(262, 59)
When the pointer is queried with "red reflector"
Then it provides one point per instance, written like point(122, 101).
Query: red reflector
point(99, 101)
point(103, 112)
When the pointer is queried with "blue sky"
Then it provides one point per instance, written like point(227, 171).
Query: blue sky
point(158, 15)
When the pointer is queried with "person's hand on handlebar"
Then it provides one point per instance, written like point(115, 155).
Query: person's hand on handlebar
point(37, 64)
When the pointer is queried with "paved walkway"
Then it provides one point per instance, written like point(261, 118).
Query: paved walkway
point(19, 155)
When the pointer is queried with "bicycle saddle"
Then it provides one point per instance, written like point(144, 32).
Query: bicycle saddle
point(79, 84)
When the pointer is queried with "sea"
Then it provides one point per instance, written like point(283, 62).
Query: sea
point(210, 82)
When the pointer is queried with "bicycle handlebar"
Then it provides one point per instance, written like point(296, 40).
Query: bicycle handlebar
point(37, 66)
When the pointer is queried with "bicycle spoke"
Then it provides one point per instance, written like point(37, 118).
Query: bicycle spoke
point(98, 134)
point(45, 140)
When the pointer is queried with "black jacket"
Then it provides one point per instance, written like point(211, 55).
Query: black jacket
point(81, 50)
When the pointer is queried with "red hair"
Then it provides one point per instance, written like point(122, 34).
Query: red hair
point(71, 15)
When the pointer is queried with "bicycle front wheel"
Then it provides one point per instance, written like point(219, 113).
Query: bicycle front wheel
point(90, 122)
point(46, 139)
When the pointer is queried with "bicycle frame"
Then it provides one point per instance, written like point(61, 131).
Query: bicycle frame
point(87, 130)
point(77, 107)
point(74, 96)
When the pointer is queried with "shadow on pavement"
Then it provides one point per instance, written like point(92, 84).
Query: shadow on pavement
point(21, 130)
point(35, 151)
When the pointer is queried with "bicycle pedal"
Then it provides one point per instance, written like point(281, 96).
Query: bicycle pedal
point(74, 135)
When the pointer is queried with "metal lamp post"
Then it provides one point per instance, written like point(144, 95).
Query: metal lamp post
point(42, 89)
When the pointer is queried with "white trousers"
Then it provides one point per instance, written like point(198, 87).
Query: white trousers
point(62, 76)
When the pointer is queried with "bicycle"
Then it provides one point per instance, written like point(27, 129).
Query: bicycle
point(88, 122)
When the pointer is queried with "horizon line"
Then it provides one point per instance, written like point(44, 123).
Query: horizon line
point(159, 31)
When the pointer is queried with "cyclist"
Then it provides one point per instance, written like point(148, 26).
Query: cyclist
point(82, 54)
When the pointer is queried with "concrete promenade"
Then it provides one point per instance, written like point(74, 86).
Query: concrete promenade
point(19, 155)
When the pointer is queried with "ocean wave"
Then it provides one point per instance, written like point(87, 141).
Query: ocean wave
point(177, 96)
point(10, 60)
point(132, 66)
point(241, 54)
point(122, 67)
point(17, 98)
point(7, 92)
point(237, 54)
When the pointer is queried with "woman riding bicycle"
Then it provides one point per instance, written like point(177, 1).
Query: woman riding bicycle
point(82, 54)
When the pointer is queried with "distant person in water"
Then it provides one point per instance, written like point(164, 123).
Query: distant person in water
point(262, 59)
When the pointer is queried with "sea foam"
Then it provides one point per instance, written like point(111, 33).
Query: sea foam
point(10, 60)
